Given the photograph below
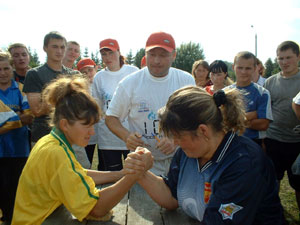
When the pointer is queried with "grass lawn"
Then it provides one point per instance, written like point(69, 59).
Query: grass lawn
point(288, 201)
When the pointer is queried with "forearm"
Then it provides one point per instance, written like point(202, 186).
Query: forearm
point(116, 127)
point(259, 124)
point(251, 115)
point(38, 108)
point(158, 190)
point(112, 195)
point(103, 177)
point(26, 118)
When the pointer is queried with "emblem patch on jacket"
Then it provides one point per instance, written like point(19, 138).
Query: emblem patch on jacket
point(228, 210)
point(207, 192)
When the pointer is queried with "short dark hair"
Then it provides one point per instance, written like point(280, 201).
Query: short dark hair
point(288, 45)
point(53, 35)
point(218, 66)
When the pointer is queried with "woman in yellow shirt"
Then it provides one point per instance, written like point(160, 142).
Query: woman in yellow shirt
point(52, 176)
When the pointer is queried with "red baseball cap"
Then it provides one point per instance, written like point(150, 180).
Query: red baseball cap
point(86, 62)
point(160, 40)
point(111, 44)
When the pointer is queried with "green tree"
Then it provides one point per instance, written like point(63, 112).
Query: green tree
point(95, 58)
point(276, 67)
point(34, 58)
point(77, 60)
point(86, 52)
point(187, 54)
point(231, 73)
point(138, 57)
point(269, 67)
point(130, 58)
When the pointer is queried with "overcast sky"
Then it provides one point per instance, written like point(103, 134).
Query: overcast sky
point(222, 28)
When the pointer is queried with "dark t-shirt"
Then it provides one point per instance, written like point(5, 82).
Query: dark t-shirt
point(35, 81)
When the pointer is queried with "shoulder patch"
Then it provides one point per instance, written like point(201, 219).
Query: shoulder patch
point(228, 210)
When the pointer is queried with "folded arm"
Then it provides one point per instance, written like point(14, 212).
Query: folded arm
point(37, 106)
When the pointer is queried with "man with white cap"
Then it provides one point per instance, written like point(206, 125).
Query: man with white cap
point(141, 94)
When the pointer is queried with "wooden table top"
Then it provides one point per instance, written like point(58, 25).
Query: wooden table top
point(136, 208)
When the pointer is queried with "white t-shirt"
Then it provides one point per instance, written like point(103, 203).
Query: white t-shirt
point(296, 100)
point(261, 80)
point(139, 97)
point(94, 139)
point(104, 86)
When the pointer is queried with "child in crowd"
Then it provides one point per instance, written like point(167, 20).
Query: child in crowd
point(14, 143)
point(257, 98)
point(111, 149)
point(200, 72)
point(88, 68)
point(219, 76)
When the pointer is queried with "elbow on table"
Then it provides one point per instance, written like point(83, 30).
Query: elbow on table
point(172, 205)
point(170, 208)
point(98, 212)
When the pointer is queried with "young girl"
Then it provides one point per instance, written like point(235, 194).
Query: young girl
point(219, 76)
point(110, 147)
point(52, 176)
point(200, 72)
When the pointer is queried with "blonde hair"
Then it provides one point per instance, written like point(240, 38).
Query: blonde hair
point(245, 55)
point(228, 81)
point(17, 45)
point(5, 56)
point(69, 98)
point(191, 106)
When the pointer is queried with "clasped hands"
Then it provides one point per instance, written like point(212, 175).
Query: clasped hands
point(138, 162)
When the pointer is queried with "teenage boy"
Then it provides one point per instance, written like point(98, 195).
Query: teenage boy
point(282, 143)
point(21, 58)
point(14, 143)
point(37, 78)
point(257, 99)
point(72, 53)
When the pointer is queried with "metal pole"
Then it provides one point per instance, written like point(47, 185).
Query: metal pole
point(255, 44)
point(255, 40)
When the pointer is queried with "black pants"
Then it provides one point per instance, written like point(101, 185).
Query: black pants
point(10, 171)
point(283, 156)
point(89, 149)
point(111, 160)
